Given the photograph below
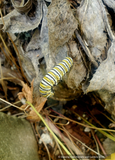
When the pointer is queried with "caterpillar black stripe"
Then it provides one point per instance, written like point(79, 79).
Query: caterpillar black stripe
point(54, 76)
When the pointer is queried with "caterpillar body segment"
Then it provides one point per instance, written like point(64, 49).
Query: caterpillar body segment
point(53, 76)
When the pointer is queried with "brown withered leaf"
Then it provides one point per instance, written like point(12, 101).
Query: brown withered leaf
point(38, 100)
point(32, 114)
point(27, 92)
point(76, 131)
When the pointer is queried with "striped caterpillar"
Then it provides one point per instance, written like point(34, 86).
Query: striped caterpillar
point(53, 76)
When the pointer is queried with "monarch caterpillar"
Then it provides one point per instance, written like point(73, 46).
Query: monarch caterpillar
point(53, 76)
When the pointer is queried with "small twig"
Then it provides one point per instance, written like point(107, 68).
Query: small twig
point(2, 17)
point(18, 114)
point(60, 149)
point(2, 81)
point(45, 123)
point(95, 142)
point(107, 117)
point(8, 106)
point(35, 132)
point(85, 48)
point(82, 143)
point(71, 141)
point(11, 104)
point(100, 145)
point(18, 55)
point(83, 124)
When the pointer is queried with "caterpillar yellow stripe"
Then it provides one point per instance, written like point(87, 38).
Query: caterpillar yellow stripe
point(53, 76)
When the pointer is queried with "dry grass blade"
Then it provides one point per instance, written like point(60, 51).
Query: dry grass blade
point(2, 82)
point(107, 117)
point(82, 123)
point(10, 55)
point(48, 127)
point(95, 142)
point(44, 145)
point(60, 150)
point(78, 151)
point(100, 130)
point(82, 143)
point(32, 115)
point(18, 55)
point(85, 48)
point(7, 57)
point(97, 121)
point(63, 138)
point(105, 19)
point(11, 104)
point(8, 106)
point(2, 16)
point(27, 94)
point(103, 150)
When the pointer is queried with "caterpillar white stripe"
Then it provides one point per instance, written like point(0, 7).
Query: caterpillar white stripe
point(53, 76)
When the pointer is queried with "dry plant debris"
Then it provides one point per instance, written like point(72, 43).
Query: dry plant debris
point(27, 94)
point(47, 29)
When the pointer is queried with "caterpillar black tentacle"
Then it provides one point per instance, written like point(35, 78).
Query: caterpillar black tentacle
point(53, 76)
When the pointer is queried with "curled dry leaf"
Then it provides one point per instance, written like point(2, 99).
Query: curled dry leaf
point(17, 23)
point(22, 8)
point(27, 92)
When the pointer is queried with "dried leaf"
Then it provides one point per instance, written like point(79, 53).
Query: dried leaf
point(78, 71)
point(10, 75)
point(63, 138)
point(104, 78)
point(110, 3)
point(92, 27)
point(78, 133)
point(32, 115)
point(61, 23)
point(22, 8)
point(17, 23)
point(38, 100)
point(34, 42)
point(27, 92)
